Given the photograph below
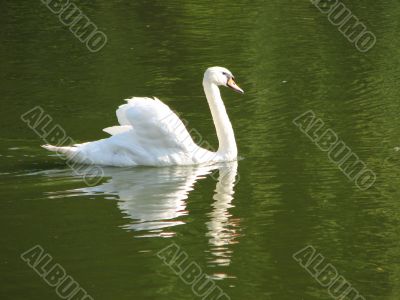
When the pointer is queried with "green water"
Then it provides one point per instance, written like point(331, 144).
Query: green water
point(289, 59)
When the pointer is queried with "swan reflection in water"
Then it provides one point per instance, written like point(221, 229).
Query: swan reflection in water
point(155, 200)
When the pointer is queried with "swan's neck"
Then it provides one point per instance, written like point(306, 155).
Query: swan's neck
point(226, 138)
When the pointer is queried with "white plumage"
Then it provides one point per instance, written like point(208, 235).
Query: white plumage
point(151, 134)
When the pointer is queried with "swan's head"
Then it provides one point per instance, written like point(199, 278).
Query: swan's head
point(222, 77)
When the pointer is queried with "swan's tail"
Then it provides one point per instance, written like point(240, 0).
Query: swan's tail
point(67, 151)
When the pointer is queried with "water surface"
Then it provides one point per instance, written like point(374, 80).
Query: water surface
point(289, 59)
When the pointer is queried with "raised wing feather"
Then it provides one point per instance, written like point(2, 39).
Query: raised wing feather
point(114, 130)
point(155, 124)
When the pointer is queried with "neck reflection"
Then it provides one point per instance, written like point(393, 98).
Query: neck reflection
point(222, 228)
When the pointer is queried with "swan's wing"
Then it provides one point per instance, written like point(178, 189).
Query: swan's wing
point(154, 124)
point(150, 133)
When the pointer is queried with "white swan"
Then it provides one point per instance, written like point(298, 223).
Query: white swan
point(151, 134)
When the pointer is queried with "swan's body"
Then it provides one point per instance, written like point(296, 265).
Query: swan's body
point(151, 134)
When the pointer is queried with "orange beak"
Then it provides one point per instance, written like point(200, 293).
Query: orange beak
point(232, 84)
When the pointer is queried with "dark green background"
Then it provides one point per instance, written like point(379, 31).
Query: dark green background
point(289, 59)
